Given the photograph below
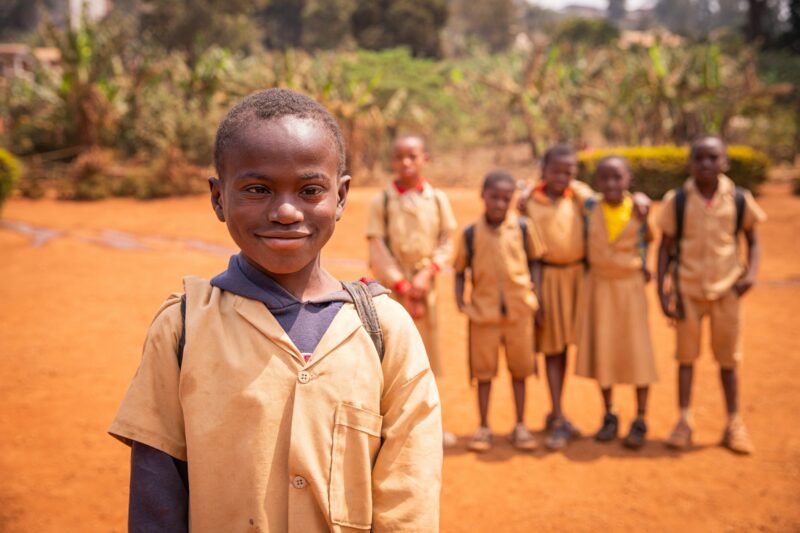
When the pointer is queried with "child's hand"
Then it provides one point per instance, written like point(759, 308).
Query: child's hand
point(415, 307)
point(421, 283)
point(743, 285)
point(641, 205)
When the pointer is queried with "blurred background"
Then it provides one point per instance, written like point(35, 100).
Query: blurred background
point(105, 103)
point(121, 98)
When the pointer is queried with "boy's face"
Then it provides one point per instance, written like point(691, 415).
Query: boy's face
point(497, 199)
point(613, 179)
point(279, 193)
point(408, 159)
point(707, 160)
point(558, 172)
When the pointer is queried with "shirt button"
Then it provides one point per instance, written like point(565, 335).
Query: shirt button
point(303, 376)
point(299, 482)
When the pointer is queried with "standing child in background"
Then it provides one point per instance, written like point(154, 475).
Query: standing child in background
point(701, 222)
point(499, 250)
point(408, 228)
point(615, 345)
point(555, 210)
point(264, 383)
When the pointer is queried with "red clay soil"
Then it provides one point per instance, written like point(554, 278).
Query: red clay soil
point(75, 310)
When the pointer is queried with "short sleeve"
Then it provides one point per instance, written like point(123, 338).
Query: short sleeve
point(376, 221)
point(460, 261)
point(582, 190)
point(151, 411)
point(753, 213)
point(536, 246)
point(665, 219)
point(448, 217)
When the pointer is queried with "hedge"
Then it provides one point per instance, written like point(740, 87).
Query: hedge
point(658, 169)
point(9, 174)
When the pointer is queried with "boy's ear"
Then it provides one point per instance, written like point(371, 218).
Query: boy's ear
point(216, 197)
point(343, 187)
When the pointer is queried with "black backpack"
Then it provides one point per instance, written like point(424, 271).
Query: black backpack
point(469, 239)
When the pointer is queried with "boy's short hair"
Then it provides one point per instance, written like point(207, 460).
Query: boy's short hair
point(706, 137)
point(613, 157)
point(273, 104)
point(556, 151)
point(497, 176)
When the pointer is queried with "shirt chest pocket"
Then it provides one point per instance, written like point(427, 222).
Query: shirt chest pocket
point(356, 440)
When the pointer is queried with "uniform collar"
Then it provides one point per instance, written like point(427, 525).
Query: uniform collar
point(724, 187)
point(419, 187)
point(541, 196)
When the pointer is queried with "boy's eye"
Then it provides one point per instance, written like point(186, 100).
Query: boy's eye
point(257, 189)
point(312, 190)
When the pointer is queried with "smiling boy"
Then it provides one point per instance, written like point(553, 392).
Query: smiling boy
point(266, 387)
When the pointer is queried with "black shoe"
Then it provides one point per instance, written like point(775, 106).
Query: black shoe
point(609, 430)
point(636, 436)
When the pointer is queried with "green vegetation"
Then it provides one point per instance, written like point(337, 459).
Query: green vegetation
point(658, 169)
point(9, 174)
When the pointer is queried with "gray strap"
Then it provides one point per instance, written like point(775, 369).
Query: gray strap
point(182, 339)
point(365, 307)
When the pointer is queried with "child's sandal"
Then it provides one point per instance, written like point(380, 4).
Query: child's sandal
point(481, 440)
point(522, 439)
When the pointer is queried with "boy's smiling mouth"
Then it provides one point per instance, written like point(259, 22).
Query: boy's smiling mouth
point(284, 239)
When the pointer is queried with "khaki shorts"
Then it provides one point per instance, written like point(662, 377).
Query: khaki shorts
point(725, 340)
point(484, 348)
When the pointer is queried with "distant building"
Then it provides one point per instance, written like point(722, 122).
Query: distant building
point(584, 12)
point(18, 60)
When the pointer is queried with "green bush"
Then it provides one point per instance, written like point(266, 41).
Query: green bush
point(658, 169)
point(88, 176)
point(9, 174)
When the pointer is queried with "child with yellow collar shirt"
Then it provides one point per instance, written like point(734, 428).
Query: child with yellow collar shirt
point(261, 401)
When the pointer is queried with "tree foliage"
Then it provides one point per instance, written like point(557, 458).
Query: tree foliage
point(380, 24)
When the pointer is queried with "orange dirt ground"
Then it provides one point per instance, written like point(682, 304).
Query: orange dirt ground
point(74, 314)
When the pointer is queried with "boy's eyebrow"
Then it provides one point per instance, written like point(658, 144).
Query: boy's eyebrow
point(252, 174)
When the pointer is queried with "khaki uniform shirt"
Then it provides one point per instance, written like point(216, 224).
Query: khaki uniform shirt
point(277, 444)
point(560, 223)
point(709, 260)
point(417, 226)
point(499, 271)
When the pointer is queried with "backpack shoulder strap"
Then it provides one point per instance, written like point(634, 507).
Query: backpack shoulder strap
point(588, 206)
point(738, 198)
point(523, 228)
point(182, 338)
point(365, 307)
point(386, 218)
point(680, 210)
point(469, 241)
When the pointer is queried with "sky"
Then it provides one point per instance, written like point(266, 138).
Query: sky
point(558, 4)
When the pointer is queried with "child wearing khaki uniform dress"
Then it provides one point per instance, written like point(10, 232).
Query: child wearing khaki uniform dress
point(264, 384)
point(615, 345)
point(498, 251)
point(409, 229)
point(711, 279)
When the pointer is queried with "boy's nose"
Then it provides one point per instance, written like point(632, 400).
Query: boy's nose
point(286, 213)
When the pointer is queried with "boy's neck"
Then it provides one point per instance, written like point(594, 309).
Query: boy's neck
point(708, 189)
point(553, 195)
point(308, 283)
point(493, 224)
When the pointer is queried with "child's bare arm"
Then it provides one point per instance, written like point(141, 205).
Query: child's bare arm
point(384, 265)
point(536, 275)
point(661, 272)
point(753, 262)
point(406, 478)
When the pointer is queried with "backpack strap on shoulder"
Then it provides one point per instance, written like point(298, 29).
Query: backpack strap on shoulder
point(523, 228)
point(386, 219)
point(182, 338)
point(680, 210)
point(738, 198)
point(469, 241)
point(588, 207)
point(365, 307)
